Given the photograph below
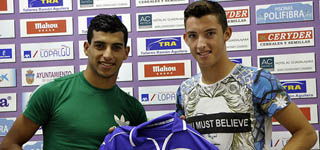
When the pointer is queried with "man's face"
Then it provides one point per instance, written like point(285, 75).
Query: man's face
point(106, 53)
point(206, 40)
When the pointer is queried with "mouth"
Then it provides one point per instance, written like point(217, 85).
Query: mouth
point(204, 53)
point(106, 65)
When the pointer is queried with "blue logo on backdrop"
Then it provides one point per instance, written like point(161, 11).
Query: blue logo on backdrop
point(285, 13)
point(295, 86)
point(145, 21)
point(120, 17)
point(4, 102)
point(237, 61)
point(163, 43)
point(36, 146)
point(144, 97)
point(89, 21)
point(27, 54)
point(4, 77)
point(267, 62)
point(5, 125)
point(5, 53)
point(44, 3)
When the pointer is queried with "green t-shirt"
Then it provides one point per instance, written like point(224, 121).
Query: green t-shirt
point(75, 115)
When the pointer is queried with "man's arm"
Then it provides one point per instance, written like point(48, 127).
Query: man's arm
point(21, 131)
point(303, 134)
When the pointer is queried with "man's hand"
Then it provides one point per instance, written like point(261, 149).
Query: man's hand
point(183, 117)
point(111, 129)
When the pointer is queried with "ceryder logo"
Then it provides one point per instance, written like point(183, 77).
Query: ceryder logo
point(234, 14)
point(285, 36)
point(3, 5)
point(50, 26)
point(164, 70)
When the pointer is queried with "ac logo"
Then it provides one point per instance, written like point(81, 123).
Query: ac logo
point(145, 21)
point(267, 63)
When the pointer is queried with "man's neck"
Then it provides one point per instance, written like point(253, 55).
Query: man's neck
point(213, 74)
point(98, 81)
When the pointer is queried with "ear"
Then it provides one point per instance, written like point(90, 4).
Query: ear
point(127, 50)
point(185, 37)
point(227, 34)
point(86, 47)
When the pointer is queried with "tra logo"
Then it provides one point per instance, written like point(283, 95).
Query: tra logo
point(163, 43)
point(267, 63)
point(50, 26)
point(145, 21)
point(4, 102)
point(5, 53)
point(237, 61)
point(295, 86)
point(44, 3)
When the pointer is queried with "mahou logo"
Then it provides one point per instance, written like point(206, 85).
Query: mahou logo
point(285, 36)
point(164, 70)
point(50, 26)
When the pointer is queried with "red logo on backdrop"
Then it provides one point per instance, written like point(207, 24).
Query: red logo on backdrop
point(306, 111)
point(50, 26)
point(234, 14)
point(3, 5)
point(164, 70)
point(284, 36)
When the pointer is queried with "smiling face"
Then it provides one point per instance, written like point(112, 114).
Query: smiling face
point(105, 54)
point(206, 40)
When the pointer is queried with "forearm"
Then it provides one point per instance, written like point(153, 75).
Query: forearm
point(301, 140)
point(6, 145)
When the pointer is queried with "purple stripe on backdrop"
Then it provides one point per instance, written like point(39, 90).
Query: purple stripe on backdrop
point(134, 34)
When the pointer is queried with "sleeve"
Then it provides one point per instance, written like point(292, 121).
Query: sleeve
point(179, 107)
point(269, 94)
point(38, 107)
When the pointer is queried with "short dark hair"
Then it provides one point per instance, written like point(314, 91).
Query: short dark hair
point(203, 7)
point(107, 23)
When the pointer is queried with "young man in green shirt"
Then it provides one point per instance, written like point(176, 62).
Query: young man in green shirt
point(76, 111)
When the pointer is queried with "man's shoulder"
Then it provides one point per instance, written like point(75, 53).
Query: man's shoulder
point(68, 77)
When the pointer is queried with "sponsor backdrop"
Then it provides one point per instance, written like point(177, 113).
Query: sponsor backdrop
point(43, 39)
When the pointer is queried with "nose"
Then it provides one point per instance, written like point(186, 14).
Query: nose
point(107, 53)
point(201, 43)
